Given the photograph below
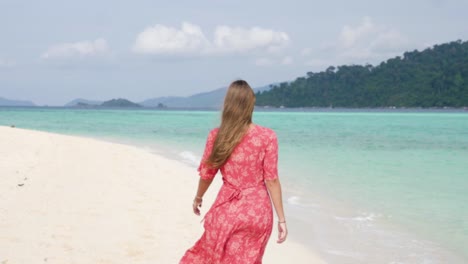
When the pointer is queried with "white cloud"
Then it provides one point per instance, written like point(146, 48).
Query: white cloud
point(350, 35)
point(160, 39)
point(77, 49)
point(228, 39)
point(366, 42)
point(191, 40)
point(370, 40)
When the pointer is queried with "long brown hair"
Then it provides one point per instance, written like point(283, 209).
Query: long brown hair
point(237, 116)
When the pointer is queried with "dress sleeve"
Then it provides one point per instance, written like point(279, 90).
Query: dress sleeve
point(206, 172)
point(270, 163)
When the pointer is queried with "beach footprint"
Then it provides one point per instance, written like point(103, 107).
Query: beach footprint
point(22, 184)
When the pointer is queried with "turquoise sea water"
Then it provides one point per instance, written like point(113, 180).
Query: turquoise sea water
point(361, 187)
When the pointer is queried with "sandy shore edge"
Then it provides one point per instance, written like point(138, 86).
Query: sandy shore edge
point(69, 199)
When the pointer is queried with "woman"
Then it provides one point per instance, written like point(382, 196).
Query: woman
point(239, 223)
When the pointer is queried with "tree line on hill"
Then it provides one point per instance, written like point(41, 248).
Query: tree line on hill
point(434, 77)
point(120, 102)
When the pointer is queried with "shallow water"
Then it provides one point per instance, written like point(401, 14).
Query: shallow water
point(362, 187)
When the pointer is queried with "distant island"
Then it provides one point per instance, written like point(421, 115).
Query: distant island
point(83, 103)
point(435, 77)
point(119, 103)
point(9, 102)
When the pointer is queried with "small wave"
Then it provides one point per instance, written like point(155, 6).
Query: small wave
point(294, 200)
point(297, 201)
point(367, 217)
point(189, 157)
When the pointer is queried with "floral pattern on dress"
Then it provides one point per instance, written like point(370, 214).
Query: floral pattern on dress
point(239, 223)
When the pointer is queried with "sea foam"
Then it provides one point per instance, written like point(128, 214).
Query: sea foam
point(189, 157)
point(364, 217)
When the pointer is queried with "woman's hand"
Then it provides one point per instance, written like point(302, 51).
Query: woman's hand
point(197, 204)
point(282, 232)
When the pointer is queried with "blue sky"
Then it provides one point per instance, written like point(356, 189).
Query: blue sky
point(54, 51)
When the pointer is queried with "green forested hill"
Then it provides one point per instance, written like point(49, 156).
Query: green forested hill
point(435, 77)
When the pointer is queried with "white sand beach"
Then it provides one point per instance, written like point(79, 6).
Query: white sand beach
point(67, 199)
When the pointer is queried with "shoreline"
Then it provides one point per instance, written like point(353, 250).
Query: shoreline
point(74, 199)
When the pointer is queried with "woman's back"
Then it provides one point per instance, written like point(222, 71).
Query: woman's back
point(252, 161)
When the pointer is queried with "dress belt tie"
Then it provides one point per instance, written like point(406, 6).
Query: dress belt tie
point(235, 195)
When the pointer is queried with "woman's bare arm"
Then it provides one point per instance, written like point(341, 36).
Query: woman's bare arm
point(202, 187)
point(274, 188)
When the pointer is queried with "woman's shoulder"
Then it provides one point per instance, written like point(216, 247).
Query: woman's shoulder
point(213, 132)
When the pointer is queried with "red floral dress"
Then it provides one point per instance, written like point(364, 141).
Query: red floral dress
point(239, 223)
